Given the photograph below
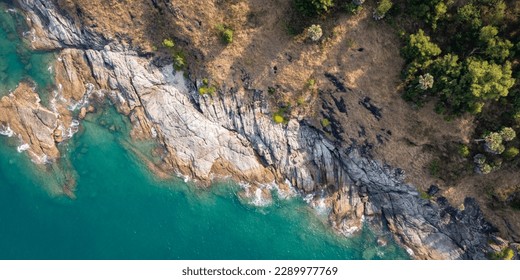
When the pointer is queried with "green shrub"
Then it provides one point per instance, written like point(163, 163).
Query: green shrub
point(278, 118)
point(464, 151)
point(494, 143)
point(382, 8)
point(313, 7)
point(207, 88)
point(420, 48)
point(505, 254)
point(325, 122)
point(311, 83)
point(486, 168)
point(353, 8)
point(314, 32)
point(507, 133)
point(226, 34)
point(178, 61)
point(168, 43)
point(435, 167)
point(511, 153)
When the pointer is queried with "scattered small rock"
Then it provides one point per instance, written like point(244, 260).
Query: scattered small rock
point(433, 190)
point(382, 242)
point(82, 113)
point(367, 103)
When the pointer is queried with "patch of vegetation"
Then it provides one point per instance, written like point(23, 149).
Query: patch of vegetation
point(278, 118)
point(325, 122)
point(505, 254)
point(179, 61)
point(464, 151)
point(510, 153)
point(425, 195)
point(314, 32)
point(313, 7)
point(311, 83)
point(435, 167)
point(225, 33)
point(168, 43)
point(468, 51)
point(353, 8)
point(382, 8)
point(207, 88)
point(178, 57)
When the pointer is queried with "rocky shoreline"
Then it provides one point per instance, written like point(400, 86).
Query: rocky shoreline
point(231, 134)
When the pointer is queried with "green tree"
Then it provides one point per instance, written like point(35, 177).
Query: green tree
point(440, 11)
point(508, 134)
point(493, 143)
point(314, 32)
point(496, 48)
point(488, 81)
point(419, 47)
point(511, 153)
point(469, 14)
point(382, 8)
point(313, 7)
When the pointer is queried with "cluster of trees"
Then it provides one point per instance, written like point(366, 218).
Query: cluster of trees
point(465, 55)
point(312, 8)
point(466, 48)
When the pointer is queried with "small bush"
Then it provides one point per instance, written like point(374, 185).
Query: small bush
point(278, 118)
point(314, 32)
point(168, 43)
point(325, 122)
point(505, 254)
point(435, 167)
point(313, 7)
point(511, 153)
point(178, 61)
point(226, 34)
point(353, 8)
point(486, 168)
point(425, 195)
point(382, 8)
point(207, 88)
point(494, 143)
point(464, 151)
point(311, 83)
point(508, 133)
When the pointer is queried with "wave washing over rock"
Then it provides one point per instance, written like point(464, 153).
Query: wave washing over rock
point(231, 134)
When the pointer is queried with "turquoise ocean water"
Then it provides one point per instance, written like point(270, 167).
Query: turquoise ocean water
point(122, 211)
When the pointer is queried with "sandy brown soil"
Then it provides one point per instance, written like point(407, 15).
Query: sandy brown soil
point(361, 53)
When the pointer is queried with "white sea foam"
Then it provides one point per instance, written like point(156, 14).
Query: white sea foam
point(255, 195)
point(308, 198)
point(23, 147)
point(154, 132)
point(73, 128)
point(6, 131)
point(43, 159)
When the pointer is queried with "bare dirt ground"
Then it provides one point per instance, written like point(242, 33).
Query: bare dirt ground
point(356, 52)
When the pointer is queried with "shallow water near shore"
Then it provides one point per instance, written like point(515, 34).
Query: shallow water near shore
point(17, 61)
point(122, 211)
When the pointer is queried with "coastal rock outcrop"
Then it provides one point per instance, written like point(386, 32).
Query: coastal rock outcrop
point(231, 134)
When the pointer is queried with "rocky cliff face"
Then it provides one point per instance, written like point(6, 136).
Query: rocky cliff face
point(231, 134)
